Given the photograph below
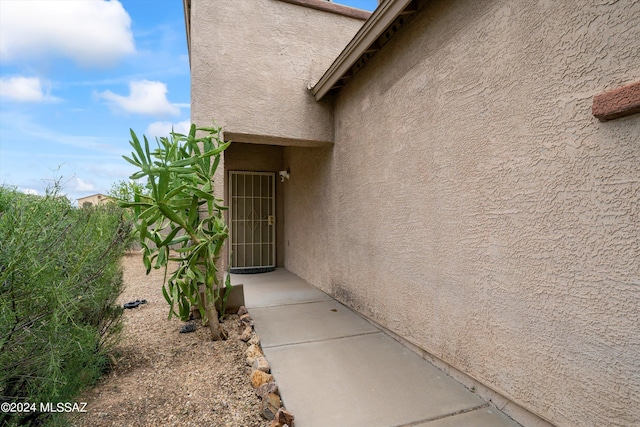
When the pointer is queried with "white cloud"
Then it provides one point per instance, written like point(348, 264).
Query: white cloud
point(91, 33)
point(26, 89)
point(145, 97)
point(22, 126)
point(158, 129)
point(29, 191)
point(80, 185)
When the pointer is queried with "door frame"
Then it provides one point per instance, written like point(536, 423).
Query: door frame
point(270, 223)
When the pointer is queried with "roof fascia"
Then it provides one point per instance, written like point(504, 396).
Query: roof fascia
point(186, 7)
point(372, 29)
point(328, 6)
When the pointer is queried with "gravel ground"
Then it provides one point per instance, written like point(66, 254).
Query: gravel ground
point(164, 378)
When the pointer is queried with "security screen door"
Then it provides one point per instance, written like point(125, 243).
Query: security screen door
point(252, 213)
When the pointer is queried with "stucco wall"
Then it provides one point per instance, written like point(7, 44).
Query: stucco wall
point(93, 200)
point(310, 235)
point(474, 205)
point(251, 63)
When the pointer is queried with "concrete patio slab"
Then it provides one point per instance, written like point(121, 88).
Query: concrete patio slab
point(314, 321)
point(334, 368)
point(278, 287)
point(483, 417)
point(367, 380)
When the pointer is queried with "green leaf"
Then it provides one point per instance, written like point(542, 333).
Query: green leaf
point(227, 291)
point(135, 143)
point(167, 241)
point(138, 175)
point(146, 148)
point(169, 213)
point(147, 262)
point(184, 162)
point(171, 194)
point(193, 210)
point(185, 309)
point(184, 250)
point(162, 257)
point(202, 194)
point(166, 294)
point(143, 230)
point(163, 184)
point(133, 162)
point(217, 150)
point(178, 240)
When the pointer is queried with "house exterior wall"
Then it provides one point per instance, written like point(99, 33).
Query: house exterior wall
point(93, 200)
point(309, 202)
point(251, 74)
point(474, 206)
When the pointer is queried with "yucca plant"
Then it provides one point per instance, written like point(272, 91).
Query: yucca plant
point(180, 219)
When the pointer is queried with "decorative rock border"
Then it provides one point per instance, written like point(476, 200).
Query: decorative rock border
point(261, 378)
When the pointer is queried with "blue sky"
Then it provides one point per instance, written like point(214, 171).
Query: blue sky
point(75, 75)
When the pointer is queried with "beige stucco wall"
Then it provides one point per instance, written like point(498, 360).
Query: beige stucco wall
point(473, 205)
point(251, 63)
point(309, 202)
point(93, 200)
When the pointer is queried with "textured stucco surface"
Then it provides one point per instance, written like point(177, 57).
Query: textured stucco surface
point(473, 205)
point(251, 63)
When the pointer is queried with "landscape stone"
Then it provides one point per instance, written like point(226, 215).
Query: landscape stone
point(246, 334)
point(258, 378)
point(255, 339)
point(283, 418)
point(267, 388)
point(242, 310)
point(262, 364)
point(252, 353)
point(270, 406)
point(247, 319)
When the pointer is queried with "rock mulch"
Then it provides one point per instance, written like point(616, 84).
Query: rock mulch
point(166, 378)
point(261, 379)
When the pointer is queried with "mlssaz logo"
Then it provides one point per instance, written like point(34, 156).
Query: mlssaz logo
point(63, 407)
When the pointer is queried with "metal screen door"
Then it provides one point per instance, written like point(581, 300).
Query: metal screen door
point(252, 213)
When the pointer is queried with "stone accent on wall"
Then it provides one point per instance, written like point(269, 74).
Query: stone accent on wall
point(617, 103)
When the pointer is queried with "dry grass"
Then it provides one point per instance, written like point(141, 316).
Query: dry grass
point(164, 378)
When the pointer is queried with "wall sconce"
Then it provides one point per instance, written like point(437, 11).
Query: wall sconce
point(284, 174)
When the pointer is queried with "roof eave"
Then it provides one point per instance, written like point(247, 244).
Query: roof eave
point(186, 6)
point(386, 13)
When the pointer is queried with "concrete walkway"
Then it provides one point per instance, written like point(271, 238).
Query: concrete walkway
point(335, 368)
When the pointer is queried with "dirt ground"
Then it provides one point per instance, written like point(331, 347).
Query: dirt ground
point(165, 378)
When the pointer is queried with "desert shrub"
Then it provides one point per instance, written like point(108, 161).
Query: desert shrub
point(59, 277)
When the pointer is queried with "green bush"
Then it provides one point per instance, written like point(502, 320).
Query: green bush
point(59, 278)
